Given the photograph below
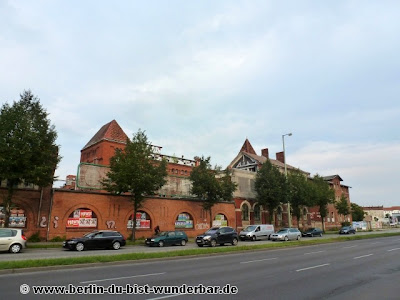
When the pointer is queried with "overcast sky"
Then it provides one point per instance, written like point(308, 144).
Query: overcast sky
point(202, 76)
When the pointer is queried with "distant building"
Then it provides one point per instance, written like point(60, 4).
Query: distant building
point(244, 167)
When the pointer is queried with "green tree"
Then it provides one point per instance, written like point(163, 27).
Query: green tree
point(357, 212)
point(211, 184)
point(28, 152)
point(342, 206)
point(270, 187)
point(134, 171)
point(322, 195)
point(298, 193)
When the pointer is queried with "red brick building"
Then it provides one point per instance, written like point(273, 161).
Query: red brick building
point(81, 206)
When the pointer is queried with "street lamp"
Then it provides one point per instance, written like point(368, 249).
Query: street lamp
point(284, 162)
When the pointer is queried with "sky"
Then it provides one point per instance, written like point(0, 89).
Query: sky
point(202, 76)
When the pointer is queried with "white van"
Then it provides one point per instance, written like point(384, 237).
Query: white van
point(256, 232)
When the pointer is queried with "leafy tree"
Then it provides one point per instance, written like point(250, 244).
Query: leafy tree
point(298, 192)
point(357, 212)
point(342, 206)
point(28, 152)
point(211, 185)
point(322, 195)
point(134, 171)
point(270, 187)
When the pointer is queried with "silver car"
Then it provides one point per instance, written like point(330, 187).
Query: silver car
point(286, 234)
point(12, 240)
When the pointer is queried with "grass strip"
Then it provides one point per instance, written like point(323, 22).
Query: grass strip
point(178, 253)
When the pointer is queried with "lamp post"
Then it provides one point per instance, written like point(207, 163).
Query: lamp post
point(284, 162)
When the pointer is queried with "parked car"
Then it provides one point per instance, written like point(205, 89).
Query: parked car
point(286, 234)
point(347, 230)
point(218, 235)
point(312, 232)
point(256, 232)
point(12, 240)
point(166, 238)
point(104, 239)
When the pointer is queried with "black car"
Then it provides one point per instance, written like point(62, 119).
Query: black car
point(347, 230)
point(312, 232)
point(105, 239)
point(218, 235)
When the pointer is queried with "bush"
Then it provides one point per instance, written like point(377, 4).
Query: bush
point(346, 223)
point(34, 238)
point(58, 239)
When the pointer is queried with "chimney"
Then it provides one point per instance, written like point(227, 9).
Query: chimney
point(264, 152)
point(280, 157)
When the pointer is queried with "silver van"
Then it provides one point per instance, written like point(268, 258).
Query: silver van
point(256, 232)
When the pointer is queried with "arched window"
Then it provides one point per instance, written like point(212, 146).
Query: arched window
point(220, 220)
point(82, 218)
point(142, 220)
point(17, 217)
point(184, 220)
point(245, 212)
point(257, 213)
point(332, 217)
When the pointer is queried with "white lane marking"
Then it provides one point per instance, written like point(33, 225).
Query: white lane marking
point(168, 296)
point(363, 256)
point(313, 267)
point(314, 252)
point(348, 247)
point(393, 249)
point(251, 261)
point(117, 278)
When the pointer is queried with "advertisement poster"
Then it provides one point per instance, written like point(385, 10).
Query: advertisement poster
point(184, 221)
point(82, 218)
point(141, 221)
point(17, 218)
point(220, 221)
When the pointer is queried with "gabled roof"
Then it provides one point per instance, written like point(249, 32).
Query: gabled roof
point(260, 160)
point(330, 177)
point(109, 132)
point(248, 148)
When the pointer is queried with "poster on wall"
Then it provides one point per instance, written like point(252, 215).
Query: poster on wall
point(141, 221)
point(184, 221)
point(220, 221)
point(82, 218)
point(17, 217)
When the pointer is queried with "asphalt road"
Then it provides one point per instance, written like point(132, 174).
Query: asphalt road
point(34, 253)
point(363, 269)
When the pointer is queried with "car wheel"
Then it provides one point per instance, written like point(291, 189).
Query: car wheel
point(234, 241)
point(213, 243)
point(116, 245)
point(254, 238)
point(354, 232)
point(183, 242)
point(199, 245)
point(286, 238)
point(298, 237)
point(80, 247)
point(15, 248)
point(160, 244)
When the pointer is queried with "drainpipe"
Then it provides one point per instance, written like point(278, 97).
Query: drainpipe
point(40, 207)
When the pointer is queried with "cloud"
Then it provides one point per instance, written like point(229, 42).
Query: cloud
point(367, 168)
